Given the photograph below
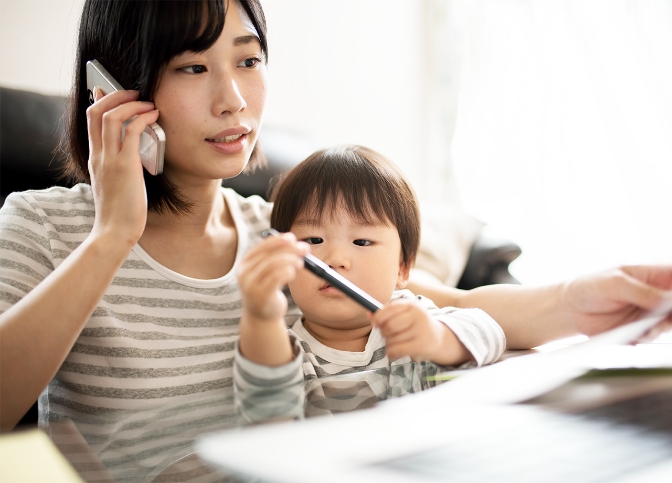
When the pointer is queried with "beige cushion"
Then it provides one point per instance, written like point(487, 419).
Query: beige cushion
point(448, 233)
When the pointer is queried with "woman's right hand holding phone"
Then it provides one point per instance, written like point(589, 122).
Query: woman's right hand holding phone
point(115, 168)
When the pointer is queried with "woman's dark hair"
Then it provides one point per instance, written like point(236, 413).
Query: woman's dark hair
point(134, 40)
point(367, 184)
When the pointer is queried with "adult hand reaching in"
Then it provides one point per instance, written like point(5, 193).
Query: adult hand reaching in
point(591, 304)
point(604, 300)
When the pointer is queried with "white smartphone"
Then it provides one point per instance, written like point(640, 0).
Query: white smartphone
point(152, 139)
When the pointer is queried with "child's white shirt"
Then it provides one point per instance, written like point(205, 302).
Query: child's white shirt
point(475, 329)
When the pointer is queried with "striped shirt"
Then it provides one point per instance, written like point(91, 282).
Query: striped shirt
point(156, 335)
point(257, 386)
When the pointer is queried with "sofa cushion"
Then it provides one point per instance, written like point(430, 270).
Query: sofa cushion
point(448, 233)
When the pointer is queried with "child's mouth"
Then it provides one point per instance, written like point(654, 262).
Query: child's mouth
point(327, 289)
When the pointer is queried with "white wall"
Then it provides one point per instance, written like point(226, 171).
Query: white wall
point(341, 71)
point(37, 44)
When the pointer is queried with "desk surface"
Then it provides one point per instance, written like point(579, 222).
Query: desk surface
point(157, 445)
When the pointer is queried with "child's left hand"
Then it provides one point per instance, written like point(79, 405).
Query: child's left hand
point(410, 331)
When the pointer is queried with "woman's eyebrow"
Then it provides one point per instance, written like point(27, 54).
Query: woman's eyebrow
point(244, 40)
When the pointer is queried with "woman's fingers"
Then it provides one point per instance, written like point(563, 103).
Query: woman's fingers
point(113, 120)
point(106, 118)
point(607, 299)
point(613, 290)
point(94, 114)
point(655, 332)
point(134, 129)
point(632, 290)
point(657, 275)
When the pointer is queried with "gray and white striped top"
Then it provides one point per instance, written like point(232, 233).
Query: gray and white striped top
point(155, 336)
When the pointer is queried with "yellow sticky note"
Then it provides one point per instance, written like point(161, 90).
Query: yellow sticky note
point(31, 457)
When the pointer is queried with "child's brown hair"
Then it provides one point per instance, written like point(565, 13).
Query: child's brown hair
point(368, 185)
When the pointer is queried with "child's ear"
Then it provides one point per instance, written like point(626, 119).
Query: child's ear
point(402, 277)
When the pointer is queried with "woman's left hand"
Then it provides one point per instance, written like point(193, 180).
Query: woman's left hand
point(604, 300)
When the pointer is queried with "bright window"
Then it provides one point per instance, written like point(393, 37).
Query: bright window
point(562, 135)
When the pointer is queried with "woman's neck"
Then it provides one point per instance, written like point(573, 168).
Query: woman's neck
point(207, 209)
point(349, 340)
point(201, 244)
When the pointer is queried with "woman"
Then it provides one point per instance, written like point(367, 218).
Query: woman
point(120, 292)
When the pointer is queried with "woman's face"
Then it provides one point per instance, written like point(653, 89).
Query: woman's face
point(211, 104)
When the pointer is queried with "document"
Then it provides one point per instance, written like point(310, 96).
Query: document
point(518, 379)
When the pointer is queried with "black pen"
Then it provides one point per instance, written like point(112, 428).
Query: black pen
point(322, 270)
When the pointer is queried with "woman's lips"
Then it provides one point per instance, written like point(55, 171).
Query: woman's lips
point(229, 144)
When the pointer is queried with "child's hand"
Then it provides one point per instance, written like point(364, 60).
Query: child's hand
point(263, 273)
point(410, 331)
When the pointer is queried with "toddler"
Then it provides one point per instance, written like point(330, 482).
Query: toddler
point(352, 208)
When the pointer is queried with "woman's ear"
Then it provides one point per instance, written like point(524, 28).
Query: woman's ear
point(402, 277)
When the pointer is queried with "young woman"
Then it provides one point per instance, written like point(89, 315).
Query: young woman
point(120, 292)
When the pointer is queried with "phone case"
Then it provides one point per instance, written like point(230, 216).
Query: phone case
point(152, 139)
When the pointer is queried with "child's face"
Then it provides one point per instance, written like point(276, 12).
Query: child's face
point(367, 255)
point(211, 103)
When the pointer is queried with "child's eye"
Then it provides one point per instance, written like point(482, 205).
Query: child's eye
point(194, 69)
point(362, 243)
point(313, 240)
point(249, 63)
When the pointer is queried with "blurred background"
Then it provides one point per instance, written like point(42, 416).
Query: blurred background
point(549, 120)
